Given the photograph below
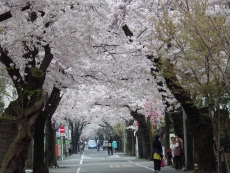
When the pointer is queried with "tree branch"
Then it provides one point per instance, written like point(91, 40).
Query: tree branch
point(8, 15)
point(47, 59)
point(11, 69)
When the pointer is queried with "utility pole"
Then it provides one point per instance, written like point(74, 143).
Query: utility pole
point(185, 137)
point(218, 133)
point(218, 129)
point(136, 145)
point(124, 137)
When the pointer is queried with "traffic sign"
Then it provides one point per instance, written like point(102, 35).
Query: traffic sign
point(62, 130)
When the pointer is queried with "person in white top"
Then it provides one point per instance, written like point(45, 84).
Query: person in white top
point(173, 145)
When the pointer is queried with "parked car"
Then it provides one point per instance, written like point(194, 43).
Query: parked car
point(105, 145)
point(92, 144)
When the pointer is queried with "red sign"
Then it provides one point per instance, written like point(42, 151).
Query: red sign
point(62, 129)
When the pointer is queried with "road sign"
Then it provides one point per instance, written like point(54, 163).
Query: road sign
point(62, 130)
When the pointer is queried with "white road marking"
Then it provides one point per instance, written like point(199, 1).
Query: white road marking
point(139, 164)
point(81, 161)
point(78, 170)
point(144, 166)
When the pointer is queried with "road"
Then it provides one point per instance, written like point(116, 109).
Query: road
point(93, 161)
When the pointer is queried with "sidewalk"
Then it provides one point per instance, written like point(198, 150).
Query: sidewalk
point(165, 169)
point(61, 163)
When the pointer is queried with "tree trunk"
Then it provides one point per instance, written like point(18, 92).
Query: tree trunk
point(51, 106)
point(77, 137)
point(177, 119)
point(51, 143)
point(129, 142)
point(15, 157)
point(145, 130)
point(190, 141)
point(167, 142)
point(204, 146)
point(39, 137)
point(41, 156)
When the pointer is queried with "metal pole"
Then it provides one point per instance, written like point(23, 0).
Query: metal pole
point(218, 132)
point(125, 139)
point(218, 138)
point(185, 137)
point(62, 148)
point(137, 151)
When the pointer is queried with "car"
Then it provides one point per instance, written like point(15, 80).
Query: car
point(92, 144)
point(105, 145)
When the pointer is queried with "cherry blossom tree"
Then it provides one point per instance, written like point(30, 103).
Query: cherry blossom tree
point(34, 42)
point(97, 49)
point(178, 50)
point(154, 110)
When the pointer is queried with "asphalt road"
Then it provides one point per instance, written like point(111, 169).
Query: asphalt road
point(93, 161)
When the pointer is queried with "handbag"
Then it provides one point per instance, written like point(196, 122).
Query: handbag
point(169, 152)
point(156, 156)
point(162, 162)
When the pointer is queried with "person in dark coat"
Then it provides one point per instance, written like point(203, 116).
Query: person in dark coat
point(110, 150)
point(98, 145)
point(157, 154)
point(70, 148)
point(178, 152)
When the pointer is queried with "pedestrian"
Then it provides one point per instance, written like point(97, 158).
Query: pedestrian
point(173, 145)
point(157, 154)
point(98, 145)
point(70, 148)
point(178, 152)
point(110, 150)
point(114, 146)
point(81, 147)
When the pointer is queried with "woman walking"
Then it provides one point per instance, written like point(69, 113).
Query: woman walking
point(157, 154)
point(173, 145)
